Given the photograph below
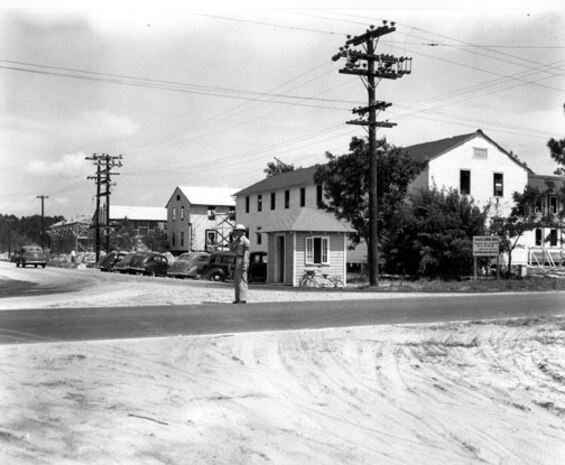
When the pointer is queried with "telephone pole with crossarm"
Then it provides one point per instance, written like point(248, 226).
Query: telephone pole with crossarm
point(362, 61)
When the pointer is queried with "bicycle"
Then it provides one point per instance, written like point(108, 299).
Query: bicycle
point(315, 278)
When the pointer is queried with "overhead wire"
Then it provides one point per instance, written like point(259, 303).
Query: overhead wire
point(264, 97)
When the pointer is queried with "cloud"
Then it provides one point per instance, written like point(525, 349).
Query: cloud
point(97, 124)
point(68, 165)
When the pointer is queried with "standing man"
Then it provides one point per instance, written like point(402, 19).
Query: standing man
point(240, 246)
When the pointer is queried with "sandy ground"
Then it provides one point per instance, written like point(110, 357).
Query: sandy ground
point(490, 392)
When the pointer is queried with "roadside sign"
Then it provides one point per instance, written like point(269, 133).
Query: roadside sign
point(486, 246)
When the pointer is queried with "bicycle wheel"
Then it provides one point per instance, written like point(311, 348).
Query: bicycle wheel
point(307, 281)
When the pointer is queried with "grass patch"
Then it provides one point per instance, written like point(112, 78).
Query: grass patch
point(527, 284)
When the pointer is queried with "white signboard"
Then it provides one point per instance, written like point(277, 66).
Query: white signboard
point(486, 246)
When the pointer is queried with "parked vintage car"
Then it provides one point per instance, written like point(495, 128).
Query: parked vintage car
point(123, 265)
point(31, 255)
point(189, 265)
point(148, 263)
point(220, 266)
point(257, 271)
point(109, 261)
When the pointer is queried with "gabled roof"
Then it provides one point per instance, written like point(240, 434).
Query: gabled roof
point(298, 177)
point(306, 219)
point(118, 212)
point(540, 181)
point(209, 195)
point(430, 150)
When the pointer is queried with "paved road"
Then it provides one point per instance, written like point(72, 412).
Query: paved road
point(49, 325)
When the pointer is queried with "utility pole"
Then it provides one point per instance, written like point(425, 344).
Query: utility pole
point(104, 164)
point(97, 211)
point(42, 197)
point(375, 67)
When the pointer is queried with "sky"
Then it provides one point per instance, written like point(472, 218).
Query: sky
point(207, 93)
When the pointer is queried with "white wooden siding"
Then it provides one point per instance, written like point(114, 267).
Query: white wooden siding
point(256, 221)
point(444, 172)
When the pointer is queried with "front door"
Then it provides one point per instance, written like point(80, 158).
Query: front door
point(280, 259)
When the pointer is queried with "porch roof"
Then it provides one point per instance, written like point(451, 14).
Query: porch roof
point(307, 219)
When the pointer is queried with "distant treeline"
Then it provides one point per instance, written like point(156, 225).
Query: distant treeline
point(15, 232)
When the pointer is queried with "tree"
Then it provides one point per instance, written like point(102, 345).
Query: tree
point(123, 236)
point(522, 218)
point(557, 152)
point(346, 181)
point(277, 167)
point(15, 232)
point(156, 241)
point(432, 235)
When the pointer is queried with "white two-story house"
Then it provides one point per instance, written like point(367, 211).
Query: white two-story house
point(200, 218)
point(473, 164)
point(283, 218)
point(477, 166)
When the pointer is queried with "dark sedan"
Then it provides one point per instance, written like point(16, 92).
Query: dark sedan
point(189, 265)
point(108, 262)
point(148, 263)
point(257, 271)
point(123, 265)
point(31, 255)
point(220, 267)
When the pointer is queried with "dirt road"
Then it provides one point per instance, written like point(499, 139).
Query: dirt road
point(490, 392)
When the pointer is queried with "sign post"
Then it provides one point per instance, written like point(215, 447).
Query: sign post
point(486, 246)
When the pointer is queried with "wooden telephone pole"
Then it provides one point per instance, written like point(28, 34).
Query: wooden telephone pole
point(42, 237)
point(372, 68)
point(104, 164)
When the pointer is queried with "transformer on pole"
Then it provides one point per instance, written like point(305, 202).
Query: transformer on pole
point(371, 67)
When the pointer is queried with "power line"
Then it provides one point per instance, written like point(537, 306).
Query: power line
point(162, 84)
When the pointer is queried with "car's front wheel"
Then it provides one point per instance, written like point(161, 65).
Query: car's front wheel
point(216, 276)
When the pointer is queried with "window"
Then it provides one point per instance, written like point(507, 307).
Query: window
point(553, 204)
point(539, 206)
point(210, 238)
point(302, 196)
point(498, 185)
point(258, 237)
point(247, 204)
point(212, 212)
point(174, 239)
point(286, 199)
point(317, 250)
point(232, 213)
point(538, 236)
point(480, 154)
point(553, 237)
point(178, 198)
point(465, 182)
point(260, 203)
point(182, 238)
point(182, 213)
point(174, 213)
point(319, 195)
point(273, 200)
